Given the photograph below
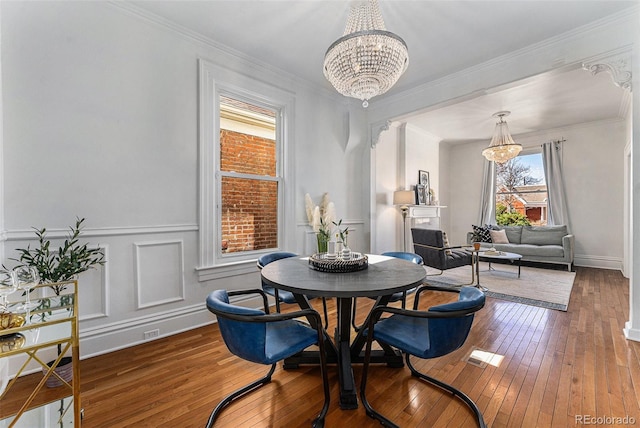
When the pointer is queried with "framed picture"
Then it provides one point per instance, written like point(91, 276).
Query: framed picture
point(423, 178)
point(421, 194)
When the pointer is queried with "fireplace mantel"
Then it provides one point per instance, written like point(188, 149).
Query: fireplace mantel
point(426, 216)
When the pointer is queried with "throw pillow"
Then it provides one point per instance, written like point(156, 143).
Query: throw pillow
point(482, 232)
point(445, 242)
point(499, 237)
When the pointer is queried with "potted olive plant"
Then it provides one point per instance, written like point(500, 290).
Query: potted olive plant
point(70, 260)
point(476, 239)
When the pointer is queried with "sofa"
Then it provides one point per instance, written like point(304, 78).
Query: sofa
point(544, 244)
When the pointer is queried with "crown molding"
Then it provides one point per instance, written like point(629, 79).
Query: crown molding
point(618, 65)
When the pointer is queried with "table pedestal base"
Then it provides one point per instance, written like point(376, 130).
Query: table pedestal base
point(348, 388)
point(344, 353)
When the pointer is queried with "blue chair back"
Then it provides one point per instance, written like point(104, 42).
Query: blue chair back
point(272, 257)
point(269, 258)
point(411, 257)
point(283, 295)
point(448, 334)
point(247, 340)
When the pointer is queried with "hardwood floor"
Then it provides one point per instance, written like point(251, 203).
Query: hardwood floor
point(556, 367)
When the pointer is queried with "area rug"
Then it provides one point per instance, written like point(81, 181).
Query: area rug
point(546, 288)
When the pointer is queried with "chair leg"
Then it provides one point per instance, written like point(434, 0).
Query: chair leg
point(371, 412)
point(473, 277)
point(326, 313)
point(353, 314)
point(318, 422)
point(436, 274)
point(277, 297)
point(238, 394)
point(461, 395)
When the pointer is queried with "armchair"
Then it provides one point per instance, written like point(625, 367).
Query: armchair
point(424, 334)
point(437, 254)
point(264, 338)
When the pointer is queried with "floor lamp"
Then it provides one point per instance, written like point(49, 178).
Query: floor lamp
point(404, 198)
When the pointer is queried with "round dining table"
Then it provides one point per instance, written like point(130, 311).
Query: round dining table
point(383, 277)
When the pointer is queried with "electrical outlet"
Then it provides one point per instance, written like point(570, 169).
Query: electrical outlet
point(151, 334)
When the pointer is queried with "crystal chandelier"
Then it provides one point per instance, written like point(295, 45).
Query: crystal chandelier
point(367, 60)
point(502, 147)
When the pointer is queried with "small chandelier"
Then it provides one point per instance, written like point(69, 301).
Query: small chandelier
point(367, 60)
point(502, 147)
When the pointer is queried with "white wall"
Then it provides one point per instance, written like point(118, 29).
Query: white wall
point(632, 327)
point(593, 167)
point(422, 153)
point(400, 153)
point(100, 111)
point(387, 171)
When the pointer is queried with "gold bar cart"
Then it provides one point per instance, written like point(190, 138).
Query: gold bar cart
point(52, 324)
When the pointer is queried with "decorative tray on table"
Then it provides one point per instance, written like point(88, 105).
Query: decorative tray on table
point(492, 252)
point(324, 263)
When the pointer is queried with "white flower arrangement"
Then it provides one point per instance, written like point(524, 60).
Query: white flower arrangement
point(320, 218)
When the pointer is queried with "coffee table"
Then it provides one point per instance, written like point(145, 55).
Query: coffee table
point(502, 255)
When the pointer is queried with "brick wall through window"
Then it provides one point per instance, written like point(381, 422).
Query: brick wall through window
point(249, 206)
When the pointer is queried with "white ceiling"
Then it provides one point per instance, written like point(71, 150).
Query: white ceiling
point(548, 101)
point(442, 36)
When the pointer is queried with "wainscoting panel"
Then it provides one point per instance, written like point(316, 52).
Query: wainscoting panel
point(159, 267)
point(93, 291)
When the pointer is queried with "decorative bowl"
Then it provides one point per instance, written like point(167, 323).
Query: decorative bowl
point(10, 320)
point(11, 342)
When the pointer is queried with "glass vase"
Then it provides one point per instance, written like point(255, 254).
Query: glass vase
point(322, 243)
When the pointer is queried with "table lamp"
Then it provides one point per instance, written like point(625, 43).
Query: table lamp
point(404, 198)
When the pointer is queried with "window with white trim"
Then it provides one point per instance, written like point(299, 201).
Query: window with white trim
point(244, 127)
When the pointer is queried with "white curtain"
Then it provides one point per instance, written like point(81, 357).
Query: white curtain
point(558, 213)
point(488, 197)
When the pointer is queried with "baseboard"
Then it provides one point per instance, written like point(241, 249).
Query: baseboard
point(124, 334)
point(599, 262)
point(116, 336)
point(631, 333)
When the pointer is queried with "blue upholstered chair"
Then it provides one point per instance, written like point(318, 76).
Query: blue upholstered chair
point(257, 336)
point(284, 296)
point(424, 334)
point(400, 295)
